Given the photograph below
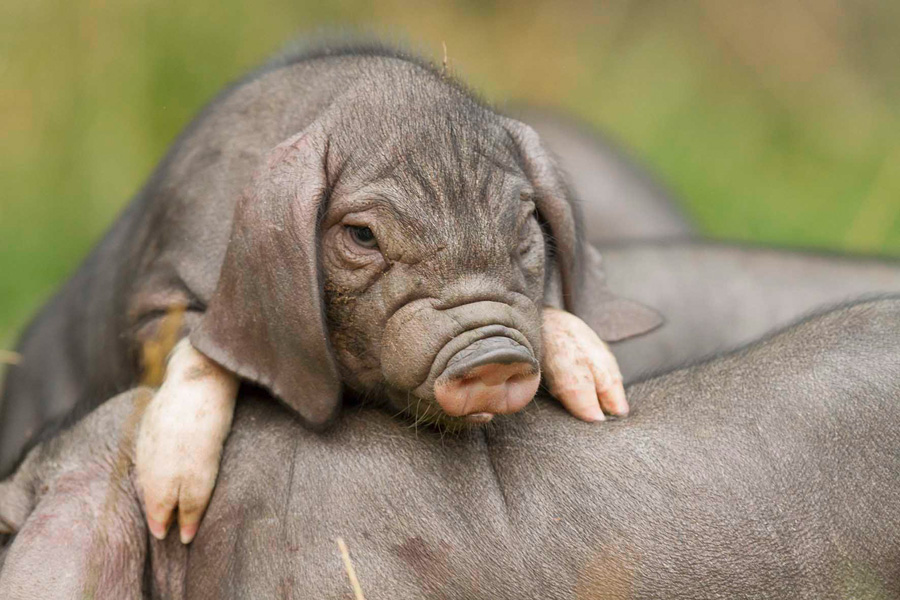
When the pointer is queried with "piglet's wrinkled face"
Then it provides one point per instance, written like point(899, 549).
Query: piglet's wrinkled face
point(433, 265)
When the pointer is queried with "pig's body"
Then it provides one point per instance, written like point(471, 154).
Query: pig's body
point(717, 296)
point(769, 473)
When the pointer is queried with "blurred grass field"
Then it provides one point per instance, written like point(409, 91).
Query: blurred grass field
point(775, 121)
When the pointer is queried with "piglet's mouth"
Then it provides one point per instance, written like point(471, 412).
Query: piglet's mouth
point(490, 376)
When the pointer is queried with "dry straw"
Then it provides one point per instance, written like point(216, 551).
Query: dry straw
point(351, 572)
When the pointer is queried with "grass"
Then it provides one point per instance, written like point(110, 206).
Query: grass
point(774, 121)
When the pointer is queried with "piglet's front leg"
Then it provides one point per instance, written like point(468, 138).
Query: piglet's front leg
point(580, 370)
point(180, 440)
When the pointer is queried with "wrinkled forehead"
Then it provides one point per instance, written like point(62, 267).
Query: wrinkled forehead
point(445, 160)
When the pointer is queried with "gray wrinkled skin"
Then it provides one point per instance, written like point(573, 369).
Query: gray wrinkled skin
point(768, 473)
point(451, 189)
point(448, 189)
point(718, 296)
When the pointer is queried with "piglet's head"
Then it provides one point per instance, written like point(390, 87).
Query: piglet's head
point(407, 259)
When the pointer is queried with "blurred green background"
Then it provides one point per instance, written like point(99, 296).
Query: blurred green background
point(773, 120)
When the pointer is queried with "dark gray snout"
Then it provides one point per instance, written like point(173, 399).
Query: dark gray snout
point(498, 350)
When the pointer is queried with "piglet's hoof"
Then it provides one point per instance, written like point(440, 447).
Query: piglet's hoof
point(180, 441)
point(580, 370)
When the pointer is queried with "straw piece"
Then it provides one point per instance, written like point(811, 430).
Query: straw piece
point(351, 572)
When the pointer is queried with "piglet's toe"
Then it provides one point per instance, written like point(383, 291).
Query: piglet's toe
point(580, 399)
point(612, 400)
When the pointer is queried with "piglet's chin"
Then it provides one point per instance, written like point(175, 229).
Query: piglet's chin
point(478, 418)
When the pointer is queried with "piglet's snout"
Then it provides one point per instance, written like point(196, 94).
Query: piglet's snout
point(495, 375)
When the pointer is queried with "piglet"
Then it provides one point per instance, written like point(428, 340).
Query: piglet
point(345, 220)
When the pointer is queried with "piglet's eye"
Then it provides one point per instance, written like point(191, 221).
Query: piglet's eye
point(362, 236)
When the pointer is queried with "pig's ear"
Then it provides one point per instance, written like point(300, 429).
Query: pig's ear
point(613, 318)
point(582, 285)
point(265, 321)
point(16, 501)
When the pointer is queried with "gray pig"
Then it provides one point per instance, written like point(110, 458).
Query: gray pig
point(348, 218)
point(717, 296)
point(771, 473)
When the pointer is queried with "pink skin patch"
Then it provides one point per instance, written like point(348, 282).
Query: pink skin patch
point(180, 441)
point(580, 370)
point(478, 418)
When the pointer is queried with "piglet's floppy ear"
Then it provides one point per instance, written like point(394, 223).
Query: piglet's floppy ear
point(582, 284)
point(265, 320)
